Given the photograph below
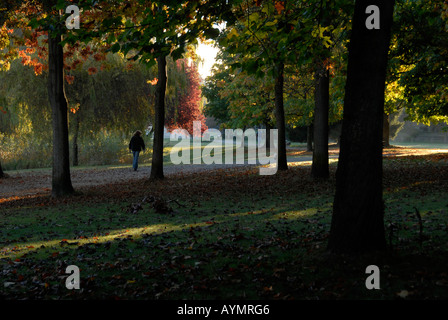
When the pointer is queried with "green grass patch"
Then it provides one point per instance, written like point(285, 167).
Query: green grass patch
point(230, 235)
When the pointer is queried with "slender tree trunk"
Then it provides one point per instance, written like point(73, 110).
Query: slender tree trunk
point(268, 127)
point(159, 123)
point(358, 214)
point(75, 141)
point(309, 138)
point(282, 163)
point(61, 182)
point(386, 131)
point(2, 174)
point(320, 167)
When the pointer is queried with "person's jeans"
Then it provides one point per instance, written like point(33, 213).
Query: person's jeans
point(135, 163)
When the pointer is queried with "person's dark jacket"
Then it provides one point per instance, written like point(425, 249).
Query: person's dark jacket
point(137, 143)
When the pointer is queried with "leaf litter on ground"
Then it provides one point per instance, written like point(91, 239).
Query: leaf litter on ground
point(228, 234)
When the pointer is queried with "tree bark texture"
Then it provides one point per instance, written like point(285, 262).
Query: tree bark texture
point(75, 141)
point(358, 213)
point(386, 131)
point(159, 123)
point(309, 138)
point(61, 181)
point(282, 163)
point(320, 167)
point(268, 128)
point(2, 175)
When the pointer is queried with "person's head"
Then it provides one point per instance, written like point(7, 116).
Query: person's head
point(137, 133)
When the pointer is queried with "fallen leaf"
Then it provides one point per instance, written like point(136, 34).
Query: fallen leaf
point(403, 294)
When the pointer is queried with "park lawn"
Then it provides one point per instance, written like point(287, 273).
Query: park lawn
point(124, 158)
point(226, 234)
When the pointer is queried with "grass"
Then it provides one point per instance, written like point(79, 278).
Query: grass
point(232, 234)
point(168, 244)
point(425, 145)
point(124, 159)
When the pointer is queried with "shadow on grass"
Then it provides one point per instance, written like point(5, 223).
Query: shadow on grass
point(232, 235)
point(190, 253)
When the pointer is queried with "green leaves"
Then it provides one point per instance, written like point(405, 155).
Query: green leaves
point(251, 66)
point(115, 48)
point(211, 33)
point(177, 53)
point(168, 26)
point(61, 5)
point(318, 32)
point(419, 61)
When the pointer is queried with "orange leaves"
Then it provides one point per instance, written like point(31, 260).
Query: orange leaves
point(92, 70)
point(99, 56)
point(76, 63)
point(280, 6)
point(32, 42)
point(38, 69)
point(6, 30)
point(153, 82)
point(27, 61)
point(75, 55)
point(328, 64)
point(68, 54)
point(70, 79)
point(86, 52)
point(23, 54)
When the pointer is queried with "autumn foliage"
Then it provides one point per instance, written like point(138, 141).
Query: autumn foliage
point(31, 44)
point(189, 105)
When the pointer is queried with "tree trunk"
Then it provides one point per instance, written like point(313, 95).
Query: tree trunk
point(268, 127)
point(309, 138)
point(320, 168)
point(282, 163)
point(358, 214)
point(386, 131)
point(61, 182)
point(159, 123)
point(2, 174)
point(75, 141)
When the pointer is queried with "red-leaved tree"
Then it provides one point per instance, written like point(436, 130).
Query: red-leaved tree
point(189, 105)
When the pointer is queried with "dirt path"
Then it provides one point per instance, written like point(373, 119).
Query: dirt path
point(32, 183)
point(38, 182)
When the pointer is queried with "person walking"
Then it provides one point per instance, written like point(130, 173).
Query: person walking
point(136, 145)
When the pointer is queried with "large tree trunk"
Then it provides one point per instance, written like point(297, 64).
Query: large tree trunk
point(61, 182)
point(386, 131)
point(282, 163)
point(358, 214)
point(159, 123)
point(320, 168)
